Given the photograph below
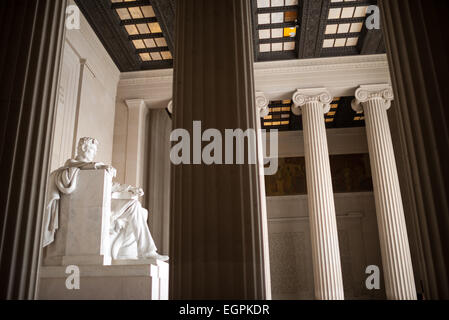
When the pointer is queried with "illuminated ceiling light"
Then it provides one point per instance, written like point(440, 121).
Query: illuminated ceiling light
point(340, 42)
point(343, 28)
point(263, 3)
point(277, 3)
point(347, 13)
point(264, 34)
point(264, 18)
point(328, 43)
point(264, 47)
point(352, 42)
point(331, 28)
point(356, 27)
point(277, 33)
point(289, 45)
point(334, 13)
point(290, 32)
point(276, 46)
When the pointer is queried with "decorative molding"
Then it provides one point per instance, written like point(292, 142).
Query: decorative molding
point(340, 75)
point(320, 64)
point(277, 80)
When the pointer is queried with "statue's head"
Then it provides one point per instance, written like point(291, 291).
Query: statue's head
point(87, 149)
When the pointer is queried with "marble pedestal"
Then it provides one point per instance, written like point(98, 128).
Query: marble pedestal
point(123, 280)
point(84, 218)
point(82, 241)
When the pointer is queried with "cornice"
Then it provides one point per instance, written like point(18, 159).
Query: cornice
point(322, 64)
point(277, 79)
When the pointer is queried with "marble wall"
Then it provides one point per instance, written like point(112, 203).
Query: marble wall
point(87, 94)
point(291, 251)
point(120, 138)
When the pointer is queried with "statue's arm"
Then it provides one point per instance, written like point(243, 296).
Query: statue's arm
point(99, 166)
point(122, 191)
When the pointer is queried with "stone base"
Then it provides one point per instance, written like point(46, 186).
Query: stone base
point(124, 280)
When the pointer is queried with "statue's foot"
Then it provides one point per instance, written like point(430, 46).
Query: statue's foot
point(157, 256)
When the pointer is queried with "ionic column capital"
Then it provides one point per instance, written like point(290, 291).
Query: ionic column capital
point(367, 93)
point(262, 103)
point(302, 97)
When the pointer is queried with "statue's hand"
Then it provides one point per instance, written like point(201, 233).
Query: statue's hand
point(119, 225)
point(110, 169)
point(137, 191)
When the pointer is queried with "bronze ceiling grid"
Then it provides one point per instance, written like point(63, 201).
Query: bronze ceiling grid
point(112, 31)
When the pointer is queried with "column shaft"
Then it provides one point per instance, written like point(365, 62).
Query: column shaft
point(135, 142)
point(396, 258)
point(328, 277)
point(32, 32)
point(262, 110)
point(216, 247)
point(417, 54)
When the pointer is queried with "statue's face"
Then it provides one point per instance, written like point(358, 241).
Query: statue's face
point(89, 152)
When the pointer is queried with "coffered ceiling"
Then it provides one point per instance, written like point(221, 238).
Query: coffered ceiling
point(139, 34)
point(301, 29)
point(135, 33)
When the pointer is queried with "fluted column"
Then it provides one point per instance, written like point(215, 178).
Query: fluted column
point(216, 245)
point(375, 100)
point(262, 110)
point(32, 36)
point(313, 104)
point(415, 33)
point(135, 142)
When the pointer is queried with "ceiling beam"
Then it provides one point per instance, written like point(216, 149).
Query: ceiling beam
point(276, 40)
point(138, 21)
point(130, 4)
point(277, 9)
point(155, 49)
point(277, 25)
point(347, 4)
point(165, 13)
point(146, 36)
point(345, 20)
point(310, 35)
point(373, 42)
point(341, 35)
point(340, 51)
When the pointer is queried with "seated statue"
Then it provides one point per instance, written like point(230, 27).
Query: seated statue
point(128, 224)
